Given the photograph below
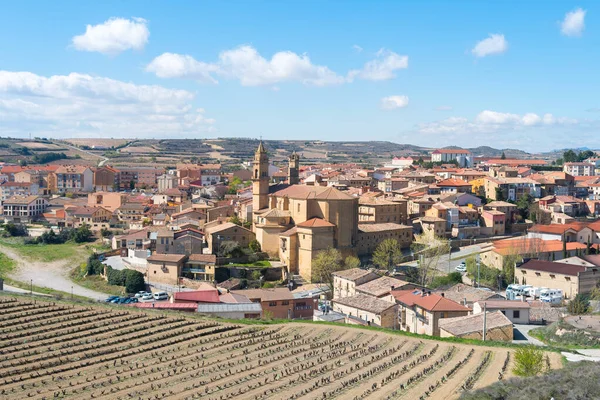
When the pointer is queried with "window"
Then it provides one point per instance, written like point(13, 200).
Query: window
point(272, 303)
point(567, 278)
point(298, 207)
point(516, 314)
point(552, 276)
point(285, 303)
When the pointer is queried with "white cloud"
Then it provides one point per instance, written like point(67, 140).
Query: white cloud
point(443, 108)
point(357, 48)
point(492, 121)
point(246, 65)
point(114, 36)
point(494, 44)
point(381, 68)
point(170, 65)
point(75, 104)
point(574, 23)
point(394, 102)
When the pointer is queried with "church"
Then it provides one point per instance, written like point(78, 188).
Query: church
point(294, 222)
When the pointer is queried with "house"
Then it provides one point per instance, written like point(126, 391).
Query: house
point(108, 200)
point(23, 208)
point(454, 186)
point(131, 212)
point(200, 267)
point(516, 311)
point(203, 294)
point(166, 181)
point(379, 210)
point(382, 287)
point(280, 303)
point(493, 223)
point(508, 209)
point(191, 171)
point(498, 327)
point(106, 179)
point(510, 188)
point(420, 311)
point(570, 278)
point(210, 174)
point(165, 268)
point(464, 158)
point(433, 225)
point(362, 309)
point(346, 281)
point(139, 177)
point(184, 241)
point(225, 232)
point(96, 218)
point(467, 295)
point(371, 235)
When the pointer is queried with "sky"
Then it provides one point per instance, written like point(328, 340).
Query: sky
point(506, 74)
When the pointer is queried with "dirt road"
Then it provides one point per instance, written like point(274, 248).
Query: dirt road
point(53, 275)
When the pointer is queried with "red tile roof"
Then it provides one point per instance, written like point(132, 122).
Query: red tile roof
point(199, 296)
point(430, 302)
point(315, 223)
point(453, 182)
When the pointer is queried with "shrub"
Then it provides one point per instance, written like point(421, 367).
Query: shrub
point(230, 249)
point(446, 280)
point(256, 275)
point(268, 285)
point(115, 277)
point(252, 258)
point(254, 246)
point(82, 234)
point(12, 229)
point(529, 361)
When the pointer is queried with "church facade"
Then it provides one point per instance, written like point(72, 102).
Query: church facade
point(294, 222)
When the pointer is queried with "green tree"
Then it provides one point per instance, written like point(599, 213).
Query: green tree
point(131, 184)
point(387, 254)
point(579, 305)
point(529, 361)
point(352, 262)
point(325, 263)
point(82, 234)
point(254, 245)
point(523, 205)
point(503, 156)
point(570, 156)
point(134, 281)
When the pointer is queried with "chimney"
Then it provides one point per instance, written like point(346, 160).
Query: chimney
point(464, 301)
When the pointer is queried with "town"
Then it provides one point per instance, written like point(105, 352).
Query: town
point(430, 244)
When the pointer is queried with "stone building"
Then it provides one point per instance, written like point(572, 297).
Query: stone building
point(498, 327)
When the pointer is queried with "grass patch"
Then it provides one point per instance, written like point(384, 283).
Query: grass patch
point(42, 252)
point(43, 290)
point(576, 381)
point(263, 263)
point(565, 335)
point(96, 283)
point(7, 265)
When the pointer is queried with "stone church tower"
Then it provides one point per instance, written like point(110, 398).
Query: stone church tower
point(260, 179)
point(293, 169)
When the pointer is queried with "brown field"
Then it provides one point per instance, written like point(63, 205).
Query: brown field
point(58, 350)
point(39, 146)
point(97, 142)
point(139, 149)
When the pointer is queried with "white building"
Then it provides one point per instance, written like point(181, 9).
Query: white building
point(463, 157)
point(23, 208)
point(580, 168)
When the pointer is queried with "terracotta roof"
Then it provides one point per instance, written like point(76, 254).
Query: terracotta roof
point(354, 274)
point(266, 294)
point(199, 296)
point(431, 302)
point(553, 267)
point(460, 326)
point(315, 223)
point(234, 298)
point(380, 286)
point(498, 304)
point(312, 192)
point(207, 258)
point(22, 200)
point(289, 232)
point(174, 258)
point(453, 182)
point(516, 162)
point(276, 213)
point(365, 303)
point(382, 227)
point(557, 228)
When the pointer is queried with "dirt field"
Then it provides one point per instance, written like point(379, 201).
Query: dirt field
point(97, 142)
point(140, 149)
point(39, 146)
point(52, 350)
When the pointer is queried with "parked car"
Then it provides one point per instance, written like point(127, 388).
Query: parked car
point(140, 294)
point(462, 267)
point(161, 296)
point(110, 299)
point(134, 300)
point(148, 296)
point(116, 300)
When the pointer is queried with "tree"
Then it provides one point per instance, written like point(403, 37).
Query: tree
point(82, 234)
point(235, 220)
point(570, 156)
point(579, 305)
point(564, 243)
point(523, 205)
point(387, 254)
point(499, 194)
point(254, 245)
point(230, 248)
point(325, 263)
point(430, 249)
point(131, 185)
point(134, 281)
point(352, 262)
point(11, 229)
point(503, 156)
point(529, 361)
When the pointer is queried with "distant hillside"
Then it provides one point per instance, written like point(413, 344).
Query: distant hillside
point(486, 151)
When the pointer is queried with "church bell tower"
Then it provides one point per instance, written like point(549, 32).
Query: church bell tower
point(260, 179)
point(293, 169)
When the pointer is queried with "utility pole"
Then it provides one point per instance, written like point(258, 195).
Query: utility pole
point(31, 287)
point(484, 321)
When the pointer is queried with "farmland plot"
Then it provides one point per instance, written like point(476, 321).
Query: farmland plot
point(56, 350)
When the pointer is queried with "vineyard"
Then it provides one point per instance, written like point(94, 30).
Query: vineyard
point(58, 350)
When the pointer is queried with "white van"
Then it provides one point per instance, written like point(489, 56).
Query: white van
point(536, 291)
point(553, 296)
point(161, 296)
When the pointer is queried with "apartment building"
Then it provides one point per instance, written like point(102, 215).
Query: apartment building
point(108, 200)
point(580, 168)
point(71, 178)
point(142, 177)
point(9, 189)
point(510, 188)
point(23, 208)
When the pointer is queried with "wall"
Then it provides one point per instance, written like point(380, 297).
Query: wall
point(386, 319)
point(523, 317)
point(500, 334)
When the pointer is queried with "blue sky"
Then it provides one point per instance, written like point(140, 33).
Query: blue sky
point(409, 72)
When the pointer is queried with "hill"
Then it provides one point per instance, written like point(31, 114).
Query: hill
point(56, 349)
